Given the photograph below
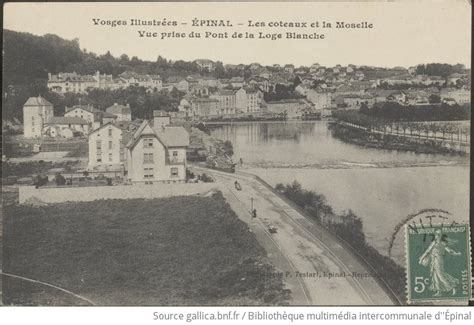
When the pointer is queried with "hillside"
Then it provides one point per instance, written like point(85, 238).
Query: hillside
point(29, 58)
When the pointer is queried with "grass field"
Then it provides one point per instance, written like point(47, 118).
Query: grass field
point(174, 251)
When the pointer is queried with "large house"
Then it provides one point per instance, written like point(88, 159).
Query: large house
point(247, 100)
point(36, 112)
point(157, 154)
point(227, 101)
point(107, 146)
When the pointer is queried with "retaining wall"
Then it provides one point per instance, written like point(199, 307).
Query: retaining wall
point(64, 194)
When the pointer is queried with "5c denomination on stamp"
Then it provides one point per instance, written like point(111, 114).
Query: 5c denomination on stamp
point(438, 263)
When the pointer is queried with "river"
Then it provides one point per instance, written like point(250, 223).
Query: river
point(381, 186)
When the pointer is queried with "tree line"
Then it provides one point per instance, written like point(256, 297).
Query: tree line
point(435, 112)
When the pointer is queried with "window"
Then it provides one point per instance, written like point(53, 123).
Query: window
point(148, 173)
point(110, 156)
point(110, 132)
point(99, 159)
point(148, 158)
point(174, 172)
point(175, 154)
point(147, 143)
point(98, 144)
point(110, 144)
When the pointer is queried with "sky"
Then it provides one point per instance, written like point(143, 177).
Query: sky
point(404, 33)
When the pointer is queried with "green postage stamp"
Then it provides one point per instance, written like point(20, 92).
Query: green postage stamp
point(438, 263)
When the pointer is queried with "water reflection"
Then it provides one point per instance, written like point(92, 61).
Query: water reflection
point(311, 144)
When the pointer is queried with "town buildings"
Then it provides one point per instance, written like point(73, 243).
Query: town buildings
point(71, 82)
point(36, 112)
point(65, 126)
point(460, 96)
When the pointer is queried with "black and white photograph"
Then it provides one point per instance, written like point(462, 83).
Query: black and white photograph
point(236, 154)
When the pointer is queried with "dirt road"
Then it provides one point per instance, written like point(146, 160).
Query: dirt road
point(317, 269)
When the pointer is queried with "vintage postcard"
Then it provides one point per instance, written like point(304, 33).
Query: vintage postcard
point(236, 153)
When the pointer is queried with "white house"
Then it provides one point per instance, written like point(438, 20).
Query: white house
point(157, 154)
point(36, 112)
point(107, 147)
point(247, 100)
point(226, 100)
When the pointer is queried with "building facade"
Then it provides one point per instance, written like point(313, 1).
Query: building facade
point(157, 154)
point(107, 148)
point(36, 112)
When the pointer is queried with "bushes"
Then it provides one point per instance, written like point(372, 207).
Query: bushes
point(349, 227)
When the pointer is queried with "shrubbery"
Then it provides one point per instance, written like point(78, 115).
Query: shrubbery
point(349, 227)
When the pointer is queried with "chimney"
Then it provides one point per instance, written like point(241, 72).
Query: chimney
point(49, 75)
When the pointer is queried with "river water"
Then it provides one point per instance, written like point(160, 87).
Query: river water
point(381, 186)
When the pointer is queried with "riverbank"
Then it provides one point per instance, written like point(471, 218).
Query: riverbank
point(348, 228)
point(367, 139)
point(216, 153)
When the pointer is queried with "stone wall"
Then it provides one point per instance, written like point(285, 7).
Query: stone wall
point(64, 194)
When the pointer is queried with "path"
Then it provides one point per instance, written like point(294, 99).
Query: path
point(325, 267)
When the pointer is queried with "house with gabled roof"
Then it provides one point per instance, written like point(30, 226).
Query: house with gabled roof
point(157, 154)
point(107, 146)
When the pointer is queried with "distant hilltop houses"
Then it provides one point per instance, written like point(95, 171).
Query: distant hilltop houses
point(71, 82)
point(253, 89)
